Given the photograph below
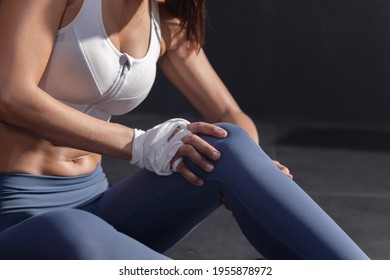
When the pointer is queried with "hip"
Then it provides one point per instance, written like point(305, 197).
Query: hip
point(25, 195)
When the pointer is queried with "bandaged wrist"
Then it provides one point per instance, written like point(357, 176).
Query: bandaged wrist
point(154, 149)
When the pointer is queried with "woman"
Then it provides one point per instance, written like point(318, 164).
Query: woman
point(67, 66)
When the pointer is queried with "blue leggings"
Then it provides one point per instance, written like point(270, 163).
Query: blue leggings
point(144, 215)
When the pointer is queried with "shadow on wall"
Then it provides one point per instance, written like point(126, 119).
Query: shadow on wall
point(315, 59)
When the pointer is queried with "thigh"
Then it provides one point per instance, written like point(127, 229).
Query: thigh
point(70, 234)
point(157, 210)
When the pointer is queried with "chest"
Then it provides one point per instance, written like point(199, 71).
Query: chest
point(94, 70)
point(127, 23)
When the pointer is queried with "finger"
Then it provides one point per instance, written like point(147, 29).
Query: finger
point(207, 129)
point(175, 163)
point(189, 175)
point(289, 175)
point(280, 166)
point(195, 156)
point(286, 172)
point(202, 146)
point(283, 168)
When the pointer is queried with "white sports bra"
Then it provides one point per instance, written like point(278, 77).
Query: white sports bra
point(88, 73)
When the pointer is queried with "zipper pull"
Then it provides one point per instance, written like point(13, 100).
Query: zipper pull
point(125, 62)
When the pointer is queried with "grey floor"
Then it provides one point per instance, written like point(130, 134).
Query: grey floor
point(344, 167)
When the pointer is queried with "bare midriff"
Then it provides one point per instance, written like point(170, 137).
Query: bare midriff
point(23, 152)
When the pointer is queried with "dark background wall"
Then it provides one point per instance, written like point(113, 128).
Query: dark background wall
point(303, 59)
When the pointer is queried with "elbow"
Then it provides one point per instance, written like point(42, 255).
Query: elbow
point(9, 106)
point(4, 103)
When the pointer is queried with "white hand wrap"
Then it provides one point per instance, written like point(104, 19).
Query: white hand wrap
point(153, 151)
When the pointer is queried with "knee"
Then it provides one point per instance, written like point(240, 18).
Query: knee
point(238, 148)
point(232, 129)
point(237, 138)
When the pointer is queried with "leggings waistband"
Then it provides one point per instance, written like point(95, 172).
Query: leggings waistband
point(25, 195)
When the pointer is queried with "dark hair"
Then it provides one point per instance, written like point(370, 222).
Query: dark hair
point(192, 14)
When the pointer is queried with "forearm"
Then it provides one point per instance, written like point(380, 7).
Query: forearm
point(194, 76)
point(33, 110)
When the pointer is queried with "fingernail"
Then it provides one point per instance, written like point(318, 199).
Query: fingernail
point(216, 155)
point(222, 132)
point(200, 183)
point(209, 167)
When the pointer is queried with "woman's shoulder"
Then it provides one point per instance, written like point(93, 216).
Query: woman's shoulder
point(172, 31)
point(166, 17)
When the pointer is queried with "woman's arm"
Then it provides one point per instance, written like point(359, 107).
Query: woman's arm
point(28, 29)
point(196, 79)
point(191, 72)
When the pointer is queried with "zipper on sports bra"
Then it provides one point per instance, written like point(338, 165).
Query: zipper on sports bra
point(125, 64)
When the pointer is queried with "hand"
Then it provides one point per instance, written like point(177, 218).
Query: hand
point(283, 168)
point(198, 150)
